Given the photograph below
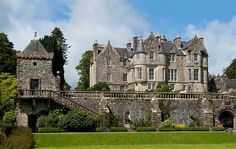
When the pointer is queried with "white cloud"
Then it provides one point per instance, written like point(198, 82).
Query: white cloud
point(88, 20)
point(220, 41)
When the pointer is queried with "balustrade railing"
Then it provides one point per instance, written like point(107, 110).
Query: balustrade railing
point(119, 95)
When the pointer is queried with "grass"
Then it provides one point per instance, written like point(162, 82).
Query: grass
point(165, 140)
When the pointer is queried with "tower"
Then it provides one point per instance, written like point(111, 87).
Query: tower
point(34, 68)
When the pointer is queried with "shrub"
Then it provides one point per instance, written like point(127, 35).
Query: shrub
point(184, 129)
point(142, 123)
point(180, 126)
point(140, 129)
point(118, 129)
point(77, 120)
point(163, 88)
point(100, 86)
point(20, 138)
point(50, 130)
point(167, 124)
point(98, 129)
point(54, 118)
point(217, 129)
point(41, 121)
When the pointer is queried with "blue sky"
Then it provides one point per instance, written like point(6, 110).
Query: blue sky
point(84, 21)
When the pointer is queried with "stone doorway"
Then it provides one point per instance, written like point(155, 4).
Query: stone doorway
point(227, 119)
point(32, 119)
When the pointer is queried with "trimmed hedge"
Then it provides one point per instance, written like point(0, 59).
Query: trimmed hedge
point(98, 129)
point(50, 130)
point(185, 129)
point(118, 129)
point(140, 129)
point(217, 129)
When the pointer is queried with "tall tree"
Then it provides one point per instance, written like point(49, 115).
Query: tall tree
point(7, 96)
point(231, 70)
point(7, 55)
point(83, 70)
point(56, 43)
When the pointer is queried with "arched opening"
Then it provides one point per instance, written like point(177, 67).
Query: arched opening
point(227, 119)
point(32, 119)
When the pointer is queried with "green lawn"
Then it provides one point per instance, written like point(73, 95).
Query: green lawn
point(163, 140)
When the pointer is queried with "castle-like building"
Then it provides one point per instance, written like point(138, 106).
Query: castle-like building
point(146, 64)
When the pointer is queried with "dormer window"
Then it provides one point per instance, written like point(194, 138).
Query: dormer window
point(125, 63)
point(108, 52)
point(172, 57)
point(151, 55)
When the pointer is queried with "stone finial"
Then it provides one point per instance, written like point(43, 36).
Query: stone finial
point(35, 34)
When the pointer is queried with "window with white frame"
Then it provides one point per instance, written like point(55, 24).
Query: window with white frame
point(196, 74)
point(151, 74)
point(151, 55)
point(108, 62)
point(172, 57)
point(125, 77)
point(151, 85)
point(189, 74)
point(195, 57)
point(109, 77)
point(172, 74)
point(189, 57)
point(139, 73)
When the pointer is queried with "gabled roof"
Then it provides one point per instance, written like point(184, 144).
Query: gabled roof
point(231, 83)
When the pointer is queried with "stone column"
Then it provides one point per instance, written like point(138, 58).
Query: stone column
point(156, 112)
point(207, 117)
point(58, 81)
point(234, 129)
point(105, 114)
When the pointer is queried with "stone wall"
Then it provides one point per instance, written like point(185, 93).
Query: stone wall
point(41, 69)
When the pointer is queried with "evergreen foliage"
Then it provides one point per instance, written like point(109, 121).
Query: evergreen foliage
point(163, 88)
point(231, 70)
point(56, 43)
point(7, 55)
point(100, 86)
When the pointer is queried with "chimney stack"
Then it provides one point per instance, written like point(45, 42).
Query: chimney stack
point(177, 41)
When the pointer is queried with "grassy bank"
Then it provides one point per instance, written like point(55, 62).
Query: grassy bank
point(137, 140)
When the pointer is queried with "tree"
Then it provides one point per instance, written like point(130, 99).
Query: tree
point(7, 55)
point(7, 95)
point(100, 86)
point(231, 70)
point(83, 70)
point(56, 43)
point(212, 85)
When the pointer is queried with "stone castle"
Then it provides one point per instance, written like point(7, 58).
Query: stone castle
point(39, 90)
point(145, 64)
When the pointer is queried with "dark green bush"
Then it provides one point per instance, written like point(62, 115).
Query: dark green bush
point(140, 129)
point(41, 121)
point(184, 129)
point(20, 138)
point(77, 120)
point(118, 129)
point(53, 119)
point(100, 86)
point(163, 88)
point(98, 129)
point(50, 130)
point(217, 129)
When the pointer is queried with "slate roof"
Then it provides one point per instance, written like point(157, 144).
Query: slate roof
point(35, 46)
point(123, 52)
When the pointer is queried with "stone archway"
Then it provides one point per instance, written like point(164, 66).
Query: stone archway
point(227, 119)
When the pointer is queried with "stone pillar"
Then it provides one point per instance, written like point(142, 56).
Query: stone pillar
point(58, 81)
point(21, 118)
point(156, 112)
point(105, 114)
point(234, 129)
point(207, 117)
